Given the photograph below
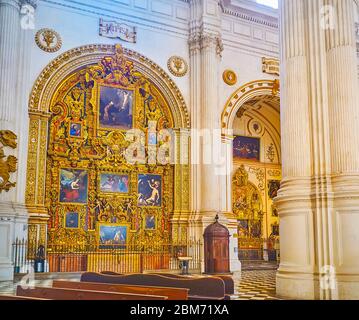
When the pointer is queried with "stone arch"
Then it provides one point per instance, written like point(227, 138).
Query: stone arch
point(244, 94)
point(72, 60)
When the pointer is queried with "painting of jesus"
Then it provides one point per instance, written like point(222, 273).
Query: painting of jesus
point(116, 108)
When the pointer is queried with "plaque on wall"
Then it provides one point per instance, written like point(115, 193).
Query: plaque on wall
point(113, 29)
point(271, 66)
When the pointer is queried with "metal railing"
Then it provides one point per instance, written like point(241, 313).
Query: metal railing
point(121, 259)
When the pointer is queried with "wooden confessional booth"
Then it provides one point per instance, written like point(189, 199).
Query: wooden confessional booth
point(216, 249)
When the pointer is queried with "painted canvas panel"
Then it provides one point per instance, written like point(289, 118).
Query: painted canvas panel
point(256, 229)
point(115, 183)
point(273, 187)
point(243, 228)
point(75, 130)
point(246, 148)
point(72, 220)
point(150, 222)
point(149, 190)
point(116, 108)
point(73, 186)
point(112, 235)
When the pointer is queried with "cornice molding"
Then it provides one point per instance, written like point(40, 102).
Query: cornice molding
point(252, 18)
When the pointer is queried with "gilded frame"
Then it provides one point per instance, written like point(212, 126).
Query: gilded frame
point(108, 224)
point(162, 191)
point(59, 187)
point(69, 129)
point(117, 173)
point(66, 212)
point(99, 85)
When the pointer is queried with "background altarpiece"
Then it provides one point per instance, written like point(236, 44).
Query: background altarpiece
point(86, 153)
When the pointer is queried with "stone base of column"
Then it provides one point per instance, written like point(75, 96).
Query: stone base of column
point(298, 286)
point(311, 287)
point(235, 264)
point(13, 225)
point(348, 287)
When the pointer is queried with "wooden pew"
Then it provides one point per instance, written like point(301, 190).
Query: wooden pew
point(170, 293)
point(71, 294)
point(210, 288)
point(228, 281)
point(9, 297)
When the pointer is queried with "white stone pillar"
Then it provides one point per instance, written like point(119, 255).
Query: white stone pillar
point(343, 109)
point(319, 198)
point(205, 50)
point(226, 200)
point(296, 271)
point(14, 87)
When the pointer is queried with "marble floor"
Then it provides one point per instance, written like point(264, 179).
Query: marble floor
point(258, 284)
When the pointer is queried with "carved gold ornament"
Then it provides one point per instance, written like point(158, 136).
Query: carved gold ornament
point(177, 66)
point(230, 77)
point(270, 66)
point(276, 87)
point(7, 163)
point(48, 40)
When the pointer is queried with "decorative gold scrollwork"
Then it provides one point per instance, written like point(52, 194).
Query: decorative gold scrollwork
point(7, 163)
point(88, 155)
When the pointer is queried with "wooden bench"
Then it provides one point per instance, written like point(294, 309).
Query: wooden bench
point(9, 297)
point(71, 294)
point(209, 288)
point(228, 281)
point(170, 293)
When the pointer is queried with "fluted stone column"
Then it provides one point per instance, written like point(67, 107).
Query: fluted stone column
point(319, 198)
point(226, 200)
point(14, 66)
point(205, 47)
point(343, 99)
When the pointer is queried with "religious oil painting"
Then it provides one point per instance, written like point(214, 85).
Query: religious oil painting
point(72, 220)
point(246, 148)
point(149, 190)
point(114, 183)
point(273, 187)
point(256, 229)
point(75, 130)
point(243, 228)
point(116, 108)
point(73, 186)
point(112, 235)
point(150, 222)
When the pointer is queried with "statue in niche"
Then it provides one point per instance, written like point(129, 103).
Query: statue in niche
point(241, 177)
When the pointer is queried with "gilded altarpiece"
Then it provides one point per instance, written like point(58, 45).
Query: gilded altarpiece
point(91, 186)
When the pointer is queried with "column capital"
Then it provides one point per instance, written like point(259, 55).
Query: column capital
point(32, 3)
point(202, 40)
point(14, 3)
